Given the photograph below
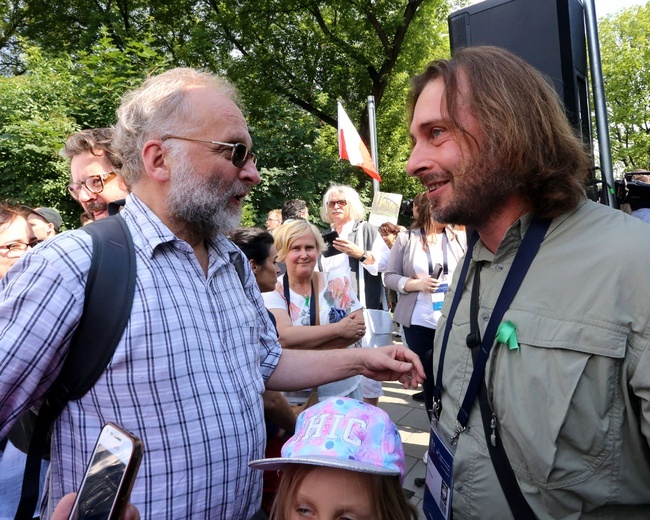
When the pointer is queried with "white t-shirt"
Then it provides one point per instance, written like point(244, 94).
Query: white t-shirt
point(428, 307)
point(337, 293)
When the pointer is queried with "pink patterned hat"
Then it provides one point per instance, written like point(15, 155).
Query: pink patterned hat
point(343, 433)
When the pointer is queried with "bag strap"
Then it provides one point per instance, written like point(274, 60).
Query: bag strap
point(316, 297)
point(516, 501)
point(110, 287)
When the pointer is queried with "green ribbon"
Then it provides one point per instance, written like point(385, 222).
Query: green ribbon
point(506, 334)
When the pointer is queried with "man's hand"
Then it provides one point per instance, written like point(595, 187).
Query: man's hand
point(347, 247)
point(64, 508)
point(393, 363)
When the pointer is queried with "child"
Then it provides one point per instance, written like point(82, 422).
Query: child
point(346, 458)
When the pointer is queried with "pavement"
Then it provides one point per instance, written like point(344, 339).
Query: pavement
point(411, 420)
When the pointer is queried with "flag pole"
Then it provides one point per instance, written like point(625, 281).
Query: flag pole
point(372, 123)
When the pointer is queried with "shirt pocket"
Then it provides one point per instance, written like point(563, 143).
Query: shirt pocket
point(558, 398)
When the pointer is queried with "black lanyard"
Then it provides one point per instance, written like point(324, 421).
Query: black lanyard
point(523, 259)
point(445, 266)
point(312, 301)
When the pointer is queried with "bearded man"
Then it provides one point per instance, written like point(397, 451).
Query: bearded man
point(552, 301)
point(198, 350)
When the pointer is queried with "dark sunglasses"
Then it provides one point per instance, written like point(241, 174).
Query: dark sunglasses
point(240, 152)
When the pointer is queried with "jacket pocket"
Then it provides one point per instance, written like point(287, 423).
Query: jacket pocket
point(558, 398)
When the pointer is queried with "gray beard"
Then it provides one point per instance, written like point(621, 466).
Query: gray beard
point(200, 203)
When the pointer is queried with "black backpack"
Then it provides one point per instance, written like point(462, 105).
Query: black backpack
point(110, 285)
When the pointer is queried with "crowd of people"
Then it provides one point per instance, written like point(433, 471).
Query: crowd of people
point(241, 354)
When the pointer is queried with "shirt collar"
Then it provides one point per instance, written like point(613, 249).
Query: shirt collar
point(153, 233)
point(515, 234)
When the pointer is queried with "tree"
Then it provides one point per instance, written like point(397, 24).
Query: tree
point(625, 51)
point(309, 53)
point(13, 19)
point(57, 97)
point(292, 60)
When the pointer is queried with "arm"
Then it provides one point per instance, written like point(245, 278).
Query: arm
point(331, 335)
point(299, 369)
point(395, 270)
point(380, 252)
point(41, 301)
point(376, 252)
point(401, 279)
point(278, 409)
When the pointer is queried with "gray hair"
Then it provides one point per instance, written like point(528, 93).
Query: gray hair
point(356, 209)
point(159, 108)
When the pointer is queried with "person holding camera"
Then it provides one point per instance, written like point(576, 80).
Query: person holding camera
point(364, 257)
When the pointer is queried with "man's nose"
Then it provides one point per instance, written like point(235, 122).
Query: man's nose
point(85, 195)
point(250, 174)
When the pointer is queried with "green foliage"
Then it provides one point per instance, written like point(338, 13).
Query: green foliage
point(291, 60)
point(57, 97)
point(625, 51)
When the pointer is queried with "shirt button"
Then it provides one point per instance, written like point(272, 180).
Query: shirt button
point(460, 487)
point(469, 428)
point(499, 267)
point(486, 317)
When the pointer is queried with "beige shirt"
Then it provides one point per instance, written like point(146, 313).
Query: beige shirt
point(573, 403)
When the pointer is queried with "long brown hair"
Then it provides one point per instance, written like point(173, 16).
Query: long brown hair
point(424, 220)
point(525, 132)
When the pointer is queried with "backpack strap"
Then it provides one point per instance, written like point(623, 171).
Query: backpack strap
point(107, 307)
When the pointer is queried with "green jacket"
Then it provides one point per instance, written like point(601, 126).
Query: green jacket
point(573, 402)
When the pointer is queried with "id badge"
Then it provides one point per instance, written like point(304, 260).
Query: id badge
point(438, 297)
point(440, 475)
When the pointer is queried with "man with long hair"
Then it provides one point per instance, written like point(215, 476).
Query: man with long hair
point(568, 400)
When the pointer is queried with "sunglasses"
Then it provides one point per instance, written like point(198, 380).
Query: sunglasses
point(240, 152)
point(334, 203)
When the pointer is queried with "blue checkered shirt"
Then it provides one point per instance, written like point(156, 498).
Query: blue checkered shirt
point(186, 377)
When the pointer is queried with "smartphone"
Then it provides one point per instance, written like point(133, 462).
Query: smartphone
point(109, 478)
point(329, 237)
point(437, 271)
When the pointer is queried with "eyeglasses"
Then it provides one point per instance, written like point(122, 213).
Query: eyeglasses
point(341, 203)
point(93, 183)
point(16, 249)
point(240, 153)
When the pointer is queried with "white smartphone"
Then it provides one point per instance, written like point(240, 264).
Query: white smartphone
point(109, 478)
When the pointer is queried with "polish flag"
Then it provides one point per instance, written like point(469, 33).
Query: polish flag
point(351, 146)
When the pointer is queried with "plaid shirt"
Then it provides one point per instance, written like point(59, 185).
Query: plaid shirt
point(186, 376)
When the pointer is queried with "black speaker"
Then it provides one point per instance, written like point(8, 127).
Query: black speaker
point(548, 34)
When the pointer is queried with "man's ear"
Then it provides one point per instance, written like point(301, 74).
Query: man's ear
point(156, 161)
point(254, 266)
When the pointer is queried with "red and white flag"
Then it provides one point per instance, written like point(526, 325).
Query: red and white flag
point(351, 146)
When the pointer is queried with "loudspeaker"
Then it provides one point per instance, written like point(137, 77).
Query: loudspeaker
point(548, 34)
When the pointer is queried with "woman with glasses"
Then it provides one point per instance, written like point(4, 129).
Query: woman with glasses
point(363, 256)
point(274, 219)
point(16, 238)
point(16, 235)
point(313, 310)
